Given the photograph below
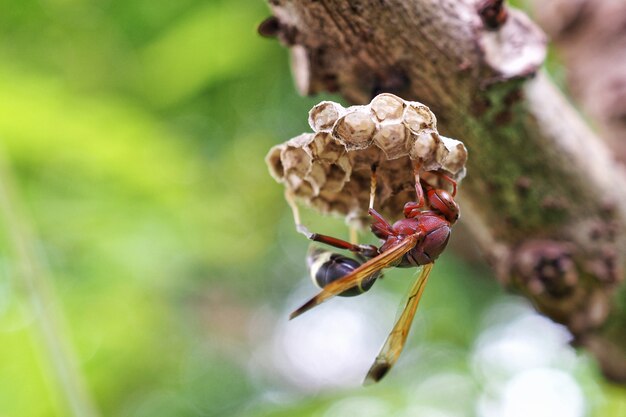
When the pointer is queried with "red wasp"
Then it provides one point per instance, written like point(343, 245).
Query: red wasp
point(417, 240)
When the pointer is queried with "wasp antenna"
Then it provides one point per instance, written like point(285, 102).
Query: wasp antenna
point(451, 181)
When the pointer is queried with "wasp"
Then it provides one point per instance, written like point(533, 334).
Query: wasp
point(415, 241)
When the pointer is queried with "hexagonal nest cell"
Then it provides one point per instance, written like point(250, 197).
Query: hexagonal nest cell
point(330, 170)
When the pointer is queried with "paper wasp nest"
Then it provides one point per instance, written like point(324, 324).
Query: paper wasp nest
point(331, 168)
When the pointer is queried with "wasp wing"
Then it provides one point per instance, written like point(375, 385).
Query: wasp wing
point(356, 277)
point(395, 341)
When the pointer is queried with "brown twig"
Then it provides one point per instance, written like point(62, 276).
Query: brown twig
point(536, 172)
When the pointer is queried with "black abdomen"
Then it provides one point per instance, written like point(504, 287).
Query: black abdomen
point(326, 267)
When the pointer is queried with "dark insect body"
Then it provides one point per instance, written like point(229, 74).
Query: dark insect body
point(415, 241)
point(326, 266)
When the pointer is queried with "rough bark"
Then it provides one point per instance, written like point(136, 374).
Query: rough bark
point(590, 38)
point(543, 198)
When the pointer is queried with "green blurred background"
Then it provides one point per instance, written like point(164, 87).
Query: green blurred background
point(149, 261)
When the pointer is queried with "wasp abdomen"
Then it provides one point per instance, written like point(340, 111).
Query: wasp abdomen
point(326, 266)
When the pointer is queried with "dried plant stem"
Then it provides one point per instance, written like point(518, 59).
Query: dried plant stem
point(589, 38)
point(33, 279)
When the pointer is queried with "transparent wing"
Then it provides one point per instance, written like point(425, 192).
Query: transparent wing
point(356, 277)
point(395, 341)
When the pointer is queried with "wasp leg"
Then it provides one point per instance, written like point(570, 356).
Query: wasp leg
point(373, 183)
point(412, 208)
point(354, 239)
point(295, 211)
point(445, 178)
point(380, 226)
point(368, 251)
point(451, 181)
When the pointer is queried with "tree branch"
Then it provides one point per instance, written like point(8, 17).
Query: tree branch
point(590, 37)
point(543, 197)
